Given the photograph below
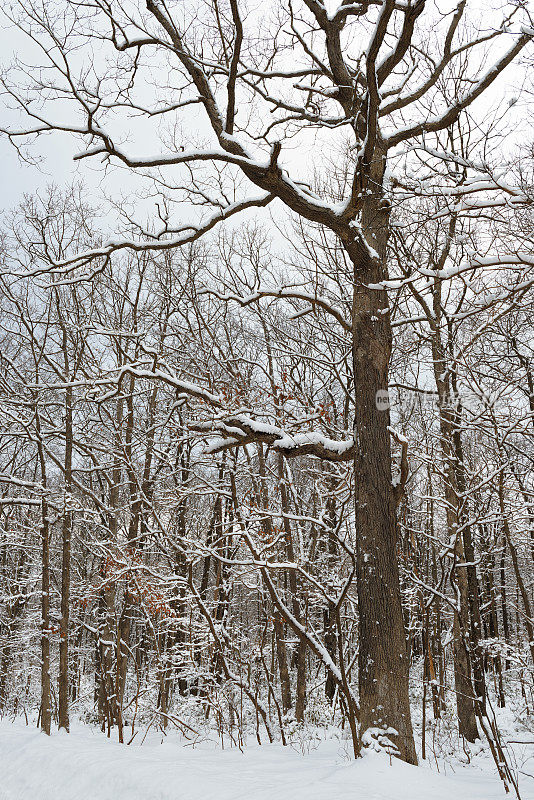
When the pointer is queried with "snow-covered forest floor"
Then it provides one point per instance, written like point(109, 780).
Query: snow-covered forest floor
point(85, 765)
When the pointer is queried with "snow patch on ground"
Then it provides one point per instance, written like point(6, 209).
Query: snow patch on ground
point(85, 765)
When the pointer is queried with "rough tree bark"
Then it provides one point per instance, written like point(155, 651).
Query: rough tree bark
point(383, 659)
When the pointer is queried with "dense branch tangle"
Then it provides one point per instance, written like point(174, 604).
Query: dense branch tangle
point(363, 76)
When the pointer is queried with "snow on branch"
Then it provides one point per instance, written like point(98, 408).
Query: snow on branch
point(287, 293)
point(451, 114)
point(232, 431)
point(165, 241)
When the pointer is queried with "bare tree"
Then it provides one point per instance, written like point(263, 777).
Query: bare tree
point(364, 73)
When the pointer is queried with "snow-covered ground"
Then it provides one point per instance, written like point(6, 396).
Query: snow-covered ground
point(86, 766)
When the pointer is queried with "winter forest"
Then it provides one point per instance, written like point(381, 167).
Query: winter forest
point(267, 399)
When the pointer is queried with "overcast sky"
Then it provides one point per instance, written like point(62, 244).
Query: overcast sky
point(57, 166)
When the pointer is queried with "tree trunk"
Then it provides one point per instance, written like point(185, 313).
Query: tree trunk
point(46, 704)
point(296, 592)
point(465, 705)
point(382, 659)
point(527, 617)
point(283, 666)
point(451, 450)
point(46, 697)
point(66, 534)
point(504, 603)
point(329, 620)
point(475, 628)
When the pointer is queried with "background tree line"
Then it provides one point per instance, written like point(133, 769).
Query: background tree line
point(247, 465)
